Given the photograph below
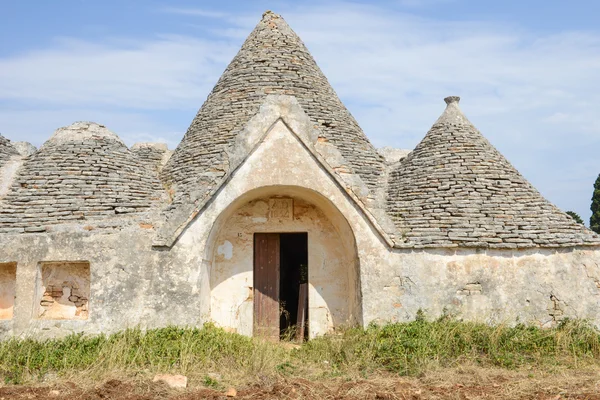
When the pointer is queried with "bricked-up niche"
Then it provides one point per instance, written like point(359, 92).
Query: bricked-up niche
point(63, 290)
point(8, 278)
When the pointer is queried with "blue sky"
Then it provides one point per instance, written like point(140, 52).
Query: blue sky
point(528, 72)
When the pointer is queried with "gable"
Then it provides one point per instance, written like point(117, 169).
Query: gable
point(276, 112)
point(272, 61)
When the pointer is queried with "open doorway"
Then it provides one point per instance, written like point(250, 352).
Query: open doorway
point(281, 285)
point(293, 283)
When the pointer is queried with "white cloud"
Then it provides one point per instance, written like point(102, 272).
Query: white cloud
point(166, 72)
point(195, 12)
point(533, 95)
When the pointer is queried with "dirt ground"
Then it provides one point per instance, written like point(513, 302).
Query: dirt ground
point(462, 384)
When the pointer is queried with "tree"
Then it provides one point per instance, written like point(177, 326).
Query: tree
point(575, 216)
point(595, 218)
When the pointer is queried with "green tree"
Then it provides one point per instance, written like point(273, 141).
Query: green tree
point(595, 218)
point(575, 216)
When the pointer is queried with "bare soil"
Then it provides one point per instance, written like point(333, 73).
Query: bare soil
point(463, 384)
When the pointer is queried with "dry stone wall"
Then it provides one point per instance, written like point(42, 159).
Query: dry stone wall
point(24, 148)
point(153, 155)
point(456, 189)
point(7, 150)
point(83, 173)
point(273, 60)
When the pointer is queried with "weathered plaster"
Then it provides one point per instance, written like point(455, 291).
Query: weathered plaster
point(490, 286)
point(289, 171)
point(63, 290)
point(130, 284)
point(133, 284)
point(331, 265)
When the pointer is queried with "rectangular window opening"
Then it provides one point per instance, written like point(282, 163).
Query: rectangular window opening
point(63, 290)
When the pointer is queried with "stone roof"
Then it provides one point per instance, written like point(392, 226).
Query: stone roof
point(272, 60)
point(25, 149)
point(393, 155)
point(153, 155)
point(7, 150)
point(456, 189)
point(84, 172)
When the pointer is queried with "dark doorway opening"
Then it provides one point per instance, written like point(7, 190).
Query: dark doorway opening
point(293, 284)
point(281, 285)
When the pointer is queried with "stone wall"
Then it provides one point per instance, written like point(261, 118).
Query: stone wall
point(130, 284)
point(133, 284)
point(332, 269)
point(532, 286)
point(7, 150)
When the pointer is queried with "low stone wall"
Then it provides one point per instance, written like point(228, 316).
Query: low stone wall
point(539, 287)
point(130, 284)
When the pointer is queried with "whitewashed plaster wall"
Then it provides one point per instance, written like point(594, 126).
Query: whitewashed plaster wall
point(130, 283)
point(536, 286)
point(539, 287)
point(8, 274)
point(331, 265)
point(282, 166)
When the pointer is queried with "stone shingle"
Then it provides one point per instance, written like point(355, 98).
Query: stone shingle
point(84, 172)
point(7, 150)
point(153, 155)
point(273, 60)
point(456, 189)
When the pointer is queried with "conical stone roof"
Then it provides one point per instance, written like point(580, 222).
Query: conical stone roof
point(83, 172)
point(456, 189)
point(273, 60)
point(7, 150)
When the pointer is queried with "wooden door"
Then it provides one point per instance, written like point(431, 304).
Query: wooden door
point(266, 285)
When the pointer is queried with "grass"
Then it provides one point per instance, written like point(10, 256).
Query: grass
point(213, 357)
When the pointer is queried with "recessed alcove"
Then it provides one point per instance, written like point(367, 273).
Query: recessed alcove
point(63, 290)
point(8, 279)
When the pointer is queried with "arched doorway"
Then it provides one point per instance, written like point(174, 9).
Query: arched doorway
point(301, 227)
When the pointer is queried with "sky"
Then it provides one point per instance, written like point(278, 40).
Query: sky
point(528, 72)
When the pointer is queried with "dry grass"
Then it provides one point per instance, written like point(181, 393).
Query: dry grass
point(433, 358)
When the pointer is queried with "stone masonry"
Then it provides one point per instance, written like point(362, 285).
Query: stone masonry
point(84, 172)
point(7, 150)
point(96, 237)
point(273, 60)
point(456, 189)
point(153, 155)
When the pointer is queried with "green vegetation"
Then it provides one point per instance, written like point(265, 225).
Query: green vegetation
point(595, 218)
point(575, 216)
point(203, 354)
